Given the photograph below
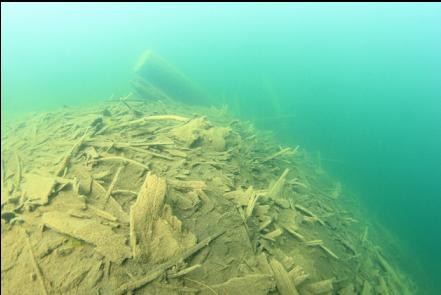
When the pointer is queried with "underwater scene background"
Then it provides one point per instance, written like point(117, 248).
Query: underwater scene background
point(356, 84)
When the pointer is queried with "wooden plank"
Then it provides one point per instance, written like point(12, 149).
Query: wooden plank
point(284, 284)
point(165, 77)
point(146, 209)
point(107, 242)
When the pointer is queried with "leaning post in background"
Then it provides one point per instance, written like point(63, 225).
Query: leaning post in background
point(156, 78)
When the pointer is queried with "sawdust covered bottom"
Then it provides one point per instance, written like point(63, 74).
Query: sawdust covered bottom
point(136, 197)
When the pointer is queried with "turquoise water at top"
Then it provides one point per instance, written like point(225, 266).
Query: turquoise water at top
point(358, 82)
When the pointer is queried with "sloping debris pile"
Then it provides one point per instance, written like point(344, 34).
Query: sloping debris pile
point(138, 197)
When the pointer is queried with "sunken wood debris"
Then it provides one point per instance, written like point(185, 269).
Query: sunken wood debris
point(276, 189)
point(112, 184)
point(282, 152)
point(71, 153)
point(320, 244)
point(321, 287)
point(144, 212)
point(189, 172)
point(38, 188)
point(284, 284)
point(309, 213)
point(161, 268)
point(91, 231)
point(155, 233)
point(35, 265)
point(252, 284)
point(123, 159)
point(298, 275)
point(187, 184)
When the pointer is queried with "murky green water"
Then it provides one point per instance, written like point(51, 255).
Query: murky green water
point(359, 83)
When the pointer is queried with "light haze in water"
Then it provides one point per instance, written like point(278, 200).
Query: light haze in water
point(360, 83)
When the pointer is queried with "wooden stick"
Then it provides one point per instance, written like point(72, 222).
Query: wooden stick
point(35, 264)
point(121, 159)
point(124, 191)
point(3, 176)
point(99, 185)
point(184, 271)
point(285, 151)
point(136, 149)
point(293, 232)
point(126, 97)
point(212, 163)
point(277, 187)
point(273, 235)
point(102, 213)
point(252, 200)
point(160, 269)
point(109, 143)
point(319, 243)
point(386, 266)
point(309, 213)
point(123, 216)
point(364, 235)
point(265, 223)
point(187, 184)
point(70, 154)
point(203, 285)
point(314, 242)
point(112, 184)
point(19, 171)
point(123, 101)
point(327, 250)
